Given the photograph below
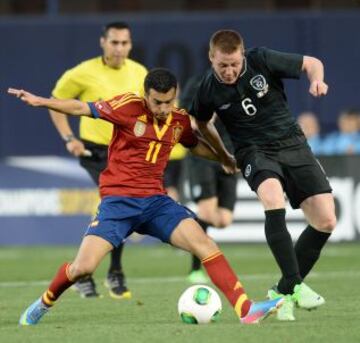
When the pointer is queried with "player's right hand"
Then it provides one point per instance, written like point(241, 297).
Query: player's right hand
point(76, 148)
point(229, 164)
point(28, 98)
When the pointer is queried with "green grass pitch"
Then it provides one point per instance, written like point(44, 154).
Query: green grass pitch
point(156, 277)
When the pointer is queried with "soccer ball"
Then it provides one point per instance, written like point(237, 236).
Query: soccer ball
point(199, 305)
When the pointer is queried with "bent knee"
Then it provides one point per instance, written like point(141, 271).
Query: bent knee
point(327, 224)
point(223, 222)
point(80, 270)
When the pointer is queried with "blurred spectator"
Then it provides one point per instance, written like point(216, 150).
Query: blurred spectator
point(311, 128)
point(347, 139)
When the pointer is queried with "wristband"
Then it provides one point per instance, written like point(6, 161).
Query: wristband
point(68, 138)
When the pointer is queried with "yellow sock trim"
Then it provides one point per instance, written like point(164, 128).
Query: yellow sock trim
point(212, 256)
point(46, 298)
point(239, 304)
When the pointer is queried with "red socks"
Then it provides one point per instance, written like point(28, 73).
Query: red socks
point(58, 285)
point(225, 279)
point(216, 266)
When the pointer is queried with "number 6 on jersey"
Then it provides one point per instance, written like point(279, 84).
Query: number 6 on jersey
point(248, 107)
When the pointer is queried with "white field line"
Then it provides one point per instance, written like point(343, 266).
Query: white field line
point(175, 279)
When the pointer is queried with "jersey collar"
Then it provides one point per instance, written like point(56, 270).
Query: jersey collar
point(106, 66)
point(161, 132)
point(244, 68)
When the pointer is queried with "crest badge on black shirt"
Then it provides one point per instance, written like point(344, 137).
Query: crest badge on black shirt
point(258, 82)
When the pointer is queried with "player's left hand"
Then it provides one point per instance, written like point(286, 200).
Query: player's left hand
point(28, 98)
point(318, 88)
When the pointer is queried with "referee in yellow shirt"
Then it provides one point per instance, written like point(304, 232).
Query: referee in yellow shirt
point(105, 76)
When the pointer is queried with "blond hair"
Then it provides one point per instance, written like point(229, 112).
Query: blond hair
point(227, 41)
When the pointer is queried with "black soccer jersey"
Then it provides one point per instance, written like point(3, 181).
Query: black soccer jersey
point(186, 99)
point(254, 110)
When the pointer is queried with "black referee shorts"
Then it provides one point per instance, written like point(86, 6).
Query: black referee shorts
point(207, 180)
point(95, 163)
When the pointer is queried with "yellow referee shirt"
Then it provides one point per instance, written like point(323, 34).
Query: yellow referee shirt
point(93, 80)
point(178, 152)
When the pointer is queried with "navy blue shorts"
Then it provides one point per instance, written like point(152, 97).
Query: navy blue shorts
point(119, 216)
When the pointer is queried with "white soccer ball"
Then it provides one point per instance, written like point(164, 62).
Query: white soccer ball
point(199, 304)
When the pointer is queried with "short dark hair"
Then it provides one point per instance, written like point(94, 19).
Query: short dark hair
point(227, 41)
point(160, 79)
point(119, 25)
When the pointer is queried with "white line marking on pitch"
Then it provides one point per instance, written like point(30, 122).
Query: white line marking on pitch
point(348, 274)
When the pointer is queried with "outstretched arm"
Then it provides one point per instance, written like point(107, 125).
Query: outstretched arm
point(314, 70)
point(70, 106)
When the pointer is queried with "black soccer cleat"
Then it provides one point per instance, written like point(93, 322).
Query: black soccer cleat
point(115, 282)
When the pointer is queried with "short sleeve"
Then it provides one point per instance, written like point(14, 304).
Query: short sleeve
point(188, 138)
point(200, 107)
point(281, 64)
point(112, 110)
point(67, 87)
point(188, 91)
point(141, 77)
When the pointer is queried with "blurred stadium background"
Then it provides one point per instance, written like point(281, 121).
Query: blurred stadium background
point(47, 199)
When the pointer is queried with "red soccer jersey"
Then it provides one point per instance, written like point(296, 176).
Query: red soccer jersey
point(140, 145)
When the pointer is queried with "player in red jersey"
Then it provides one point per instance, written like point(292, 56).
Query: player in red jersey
point(132, 192)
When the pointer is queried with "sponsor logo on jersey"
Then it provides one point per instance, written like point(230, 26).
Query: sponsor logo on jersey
point(224, 107)
point(259, 83)
point(142, 118)
point(247, 170)
point(103, 107)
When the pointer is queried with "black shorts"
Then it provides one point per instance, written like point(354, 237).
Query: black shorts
point(291, 161)
point(95, 163)
point(173, 174)
point(207, 180)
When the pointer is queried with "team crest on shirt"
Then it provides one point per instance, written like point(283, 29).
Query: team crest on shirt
point(177, 130)
point(247, 170)
point(258, 82)
point(140, 125)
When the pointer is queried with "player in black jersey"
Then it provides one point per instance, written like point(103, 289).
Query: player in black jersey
point(213, 190)
point(245, 89)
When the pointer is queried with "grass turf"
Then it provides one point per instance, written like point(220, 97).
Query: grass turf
point(156, 277)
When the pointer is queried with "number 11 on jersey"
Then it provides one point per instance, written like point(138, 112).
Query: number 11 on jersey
point(153, 152)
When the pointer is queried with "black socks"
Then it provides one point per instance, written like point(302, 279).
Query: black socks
point(115, 259)
point(308, 248)
point(280, 243)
